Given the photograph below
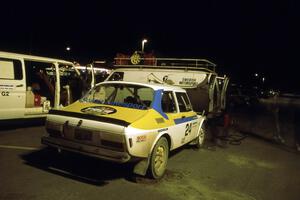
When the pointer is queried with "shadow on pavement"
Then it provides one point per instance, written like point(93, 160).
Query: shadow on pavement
point(21, 123)
point(77, 167)
point(86, 169)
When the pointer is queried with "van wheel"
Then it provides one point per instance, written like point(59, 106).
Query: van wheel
point(200, 139)
point(159, 158)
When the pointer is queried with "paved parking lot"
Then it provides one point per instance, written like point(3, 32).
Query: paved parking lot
point(255, 169)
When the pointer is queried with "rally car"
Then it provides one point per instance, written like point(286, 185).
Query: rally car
point(125, 121)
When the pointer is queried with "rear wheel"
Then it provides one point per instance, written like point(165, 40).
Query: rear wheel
point(200, 139)
point(159, 158)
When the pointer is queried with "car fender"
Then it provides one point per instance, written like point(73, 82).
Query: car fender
point(141, 167)
point(143, 141)
point(201, 123)
point(162, 134)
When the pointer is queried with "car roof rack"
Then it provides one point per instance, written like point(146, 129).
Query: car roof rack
point(165, 63)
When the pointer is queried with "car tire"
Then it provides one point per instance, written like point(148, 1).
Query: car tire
point(199, 143)
point(159, 158)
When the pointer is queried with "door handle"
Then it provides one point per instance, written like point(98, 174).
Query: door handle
point(21, 85)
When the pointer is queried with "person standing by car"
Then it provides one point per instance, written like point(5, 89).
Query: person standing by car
point(218, 128)
point(297, 128)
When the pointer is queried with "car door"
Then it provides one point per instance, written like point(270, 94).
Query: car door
point(187, 118)
point(213, 94)
point(181, 114)
point(223, 83)
point(170, 108)
point(12, 89)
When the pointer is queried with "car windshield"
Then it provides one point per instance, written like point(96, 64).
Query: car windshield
point(124, 95)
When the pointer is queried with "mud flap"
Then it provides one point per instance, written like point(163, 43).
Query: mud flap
point(141, 167)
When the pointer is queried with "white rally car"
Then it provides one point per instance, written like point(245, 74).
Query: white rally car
point(125, 121)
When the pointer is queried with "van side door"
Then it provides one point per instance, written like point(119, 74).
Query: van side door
point(12, 88)
point(223, 83)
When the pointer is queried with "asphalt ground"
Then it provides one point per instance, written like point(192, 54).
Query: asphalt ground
point(253, 168)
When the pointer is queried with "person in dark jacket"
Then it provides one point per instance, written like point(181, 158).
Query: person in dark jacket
point(297, 128)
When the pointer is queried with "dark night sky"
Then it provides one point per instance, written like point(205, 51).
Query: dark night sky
point(242, 37)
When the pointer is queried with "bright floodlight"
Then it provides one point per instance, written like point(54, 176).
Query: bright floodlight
point(143, 44)
point(68, 48)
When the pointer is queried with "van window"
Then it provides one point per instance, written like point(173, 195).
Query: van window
point(183, 102)
point(117, 76)
point(11, 69)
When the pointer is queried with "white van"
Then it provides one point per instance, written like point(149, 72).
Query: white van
point(206, 89)
point(31, 85)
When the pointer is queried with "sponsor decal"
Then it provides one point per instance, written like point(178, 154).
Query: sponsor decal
point(141, 138)
point(127, 105)
point(167, 80)
point(5, 93)
point(135, 58)
point(89, 117)
point(188, 81)
point(6, 87)
point(99, 110)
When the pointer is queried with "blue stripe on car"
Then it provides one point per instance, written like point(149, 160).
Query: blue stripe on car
point(157, 103)
point(185, 119)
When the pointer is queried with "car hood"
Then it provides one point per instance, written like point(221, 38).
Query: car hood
point(96, 111)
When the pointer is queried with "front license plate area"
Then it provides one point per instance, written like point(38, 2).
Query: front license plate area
point(83, 135)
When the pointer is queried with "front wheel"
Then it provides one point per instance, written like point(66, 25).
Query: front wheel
point(159, 158)
point(200, 139)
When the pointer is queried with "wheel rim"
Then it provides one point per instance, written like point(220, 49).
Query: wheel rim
point(201, 136)
point(160, 160)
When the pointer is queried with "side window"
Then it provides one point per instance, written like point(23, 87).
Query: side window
point(11, 69)
point(145, 95)
point(183, 102)
point(168, 103)
point(41, 77)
